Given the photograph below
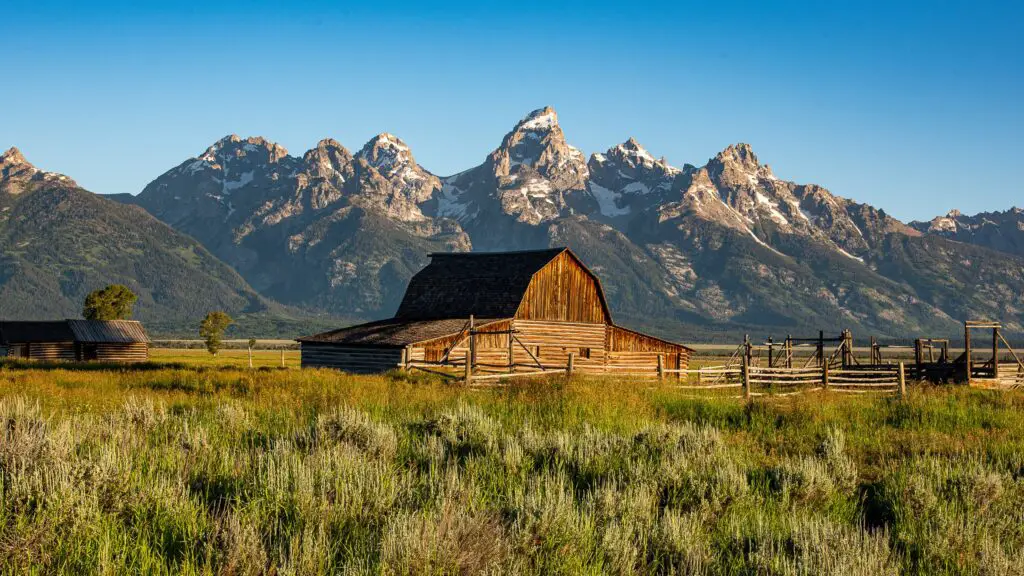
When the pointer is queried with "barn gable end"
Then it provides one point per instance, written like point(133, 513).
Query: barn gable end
point(564, 290)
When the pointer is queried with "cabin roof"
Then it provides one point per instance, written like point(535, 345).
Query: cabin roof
point(108, 331)
point(28, 331)
point(86, 331)
point(483, 284)
point(393, 332)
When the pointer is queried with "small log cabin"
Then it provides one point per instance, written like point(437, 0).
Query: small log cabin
point(75, 340)
point(530, 308)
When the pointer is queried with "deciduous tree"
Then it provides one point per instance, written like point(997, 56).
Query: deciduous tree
point(114, 302)
point(212, 330)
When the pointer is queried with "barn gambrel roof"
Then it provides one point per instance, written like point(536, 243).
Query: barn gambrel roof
point(483, 284)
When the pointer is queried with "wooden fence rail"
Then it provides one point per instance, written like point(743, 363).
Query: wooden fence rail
point(752, 380)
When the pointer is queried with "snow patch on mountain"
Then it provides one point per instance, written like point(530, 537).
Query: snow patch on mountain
point(607, 201)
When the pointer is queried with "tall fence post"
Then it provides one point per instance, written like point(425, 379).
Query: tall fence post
point(569, 364)
point(511, 350)
point(661, 368)
point(771, 352)
point(995, 353)
point(470, 353)
point(789, 351)
point(824, 375)
point(967, 351)
point(746, 377)
point(282, 357)
point(903, 382)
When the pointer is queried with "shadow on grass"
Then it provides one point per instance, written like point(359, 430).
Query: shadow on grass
point(125, 366)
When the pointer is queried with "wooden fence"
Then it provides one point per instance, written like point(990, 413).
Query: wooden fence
point(750, 380)
point(765, 381)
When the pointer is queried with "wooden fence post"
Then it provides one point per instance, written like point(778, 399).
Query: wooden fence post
point(824, 375)
point(511, 350)
point(405, 359)
point(746, 377)
point(569, 365)
point(771, 350)
point(995, 353)
point(821, 347)
point(470, 353)
point(903, 382)
point(789, 351)
point(661, 368)
point(967, 351)
point(282, 357)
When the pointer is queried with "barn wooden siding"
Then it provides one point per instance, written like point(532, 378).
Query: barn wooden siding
point(357, 359)
point(114, 352)
point(51, 351)
point(596, 347)
point(564, 290)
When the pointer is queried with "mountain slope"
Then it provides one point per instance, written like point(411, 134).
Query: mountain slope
point(58, 242)
point(726, 246)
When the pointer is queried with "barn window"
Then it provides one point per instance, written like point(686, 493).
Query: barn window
point(584, 352)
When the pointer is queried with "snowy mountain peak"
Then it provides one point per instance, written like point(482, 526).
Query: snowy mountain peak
point(16, 172)
point(633, 155)
point(540, 120)
point(231, 147)
point(389, 155)
point(741, 154)
point(13, 157)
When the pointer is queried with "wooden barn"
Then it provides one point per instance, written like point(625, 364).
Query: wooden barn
point(75, 340)
point(529, 310)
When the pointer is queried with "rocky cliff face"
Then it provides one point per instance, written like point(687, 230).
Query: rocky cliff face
point(723, 245)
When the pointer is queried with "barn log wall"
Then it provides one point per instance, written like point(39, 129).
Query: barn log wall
point(117, 352)
point(51, 351)
point(357, 359)
point(597, 348)
point(564, 291)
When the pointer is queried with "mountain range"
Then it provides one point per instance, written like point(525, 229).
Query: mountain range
point(685, 251)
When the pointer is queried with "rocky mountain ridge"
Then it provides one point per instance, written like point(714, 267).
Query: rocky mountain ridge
point(723, 246)
point(1003, 231)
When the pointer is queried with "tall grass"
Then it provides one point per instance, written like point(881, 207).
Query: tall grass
point(199, 471)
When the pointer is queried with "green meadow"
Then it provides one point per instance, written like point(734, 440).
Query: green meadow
point(190, 469)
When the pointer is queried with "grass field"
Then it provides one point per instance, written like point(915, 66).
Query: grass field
point(233, 471)
point(225, 358)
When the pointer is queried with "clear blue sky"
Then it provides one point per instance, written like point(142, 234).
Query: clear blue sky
point(913, 107)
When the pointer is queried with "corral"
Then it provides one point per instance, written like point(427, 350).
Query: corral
point(495, 314)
